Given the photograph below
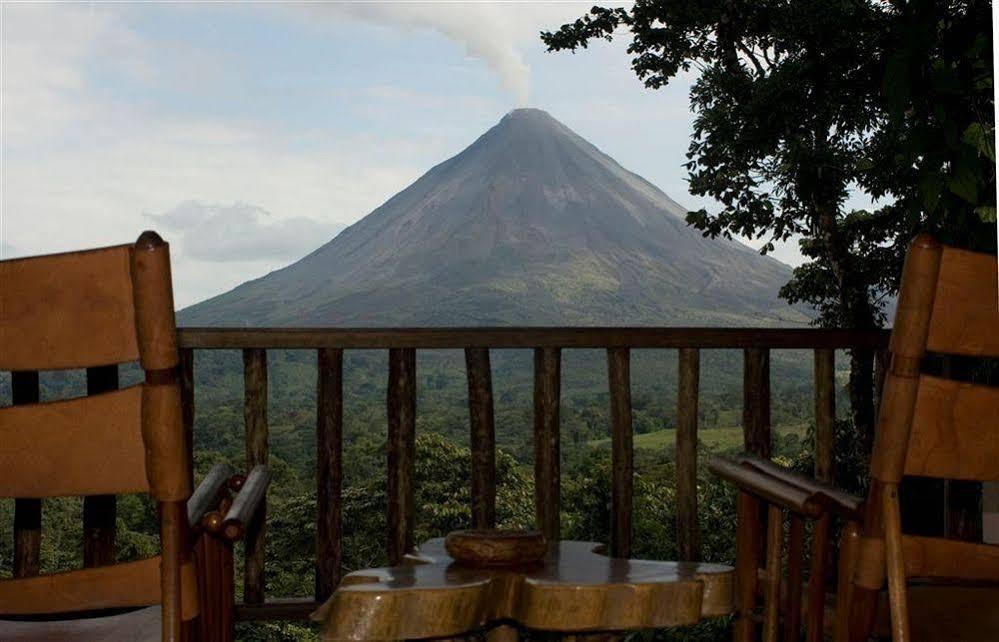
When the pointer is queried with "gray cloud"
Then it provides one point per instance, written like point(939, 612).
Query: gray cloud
point(241, 232)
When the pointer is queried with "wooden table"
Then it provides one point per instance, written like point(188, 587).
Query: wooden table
point(574, 589)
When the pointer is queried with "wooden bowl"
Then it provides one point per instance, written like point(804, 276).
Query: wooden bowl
point(495, 547)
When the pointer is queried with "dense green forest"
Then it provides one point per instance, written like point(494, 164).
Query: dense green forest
point(443, 458)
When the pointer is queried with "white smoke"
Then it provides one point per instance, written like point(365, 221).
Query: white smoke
point(489, 32)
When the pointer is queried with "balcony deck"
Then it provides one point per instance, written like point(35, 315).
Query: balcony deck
point(547, 344)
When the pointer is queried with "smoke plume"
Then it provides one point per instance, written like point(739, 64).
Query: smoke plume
point(488, 32)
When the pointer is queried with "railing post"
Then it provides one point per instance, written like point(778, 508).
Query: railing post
point(622, 451)
point(756, 431)
point(748, 543)
point(401, 404)
point(771, 597)
point(483, 437)
point(825, 414)
point(688, 531)
point(255, 419)
point(27, 512)
point(795, 568)
point(547, 397)
point(329, 470)
point(817, 579)
point(185, 377)
point(100, 511)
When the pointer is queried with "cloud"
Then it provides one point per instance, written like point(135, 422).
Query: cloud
point(241, 232)
point(45, 77)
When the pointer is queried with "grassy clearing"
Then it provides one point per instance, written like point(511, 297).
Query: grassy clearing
point(715, 438)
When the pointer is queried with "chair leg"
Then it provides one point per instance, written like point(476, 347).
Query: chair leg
point(747, 563)
point(895, 565)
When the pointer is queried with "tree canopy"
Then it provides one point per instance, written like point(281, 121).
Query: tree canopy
point(799, 103)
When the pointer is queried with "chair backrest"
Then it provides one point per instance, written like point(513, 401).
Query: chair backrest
point(86, 309)
point(930, 426)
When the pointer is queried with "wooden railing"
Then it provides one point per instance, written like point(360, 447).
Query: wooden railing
point(402, 344)
point(547, 344)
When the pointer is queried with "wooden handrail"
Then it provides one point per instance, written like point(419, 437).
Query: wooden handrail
point(531, 337)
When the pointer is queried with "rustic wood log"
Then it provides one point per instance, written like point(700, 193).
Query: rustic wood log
point(483, 436)
point(100, 511)
point(27, 512)
point(573, 589)
point(401, 402)
point(756, 430)
point(209, 493)
point(257, 452)
point(688, 530)
point(547, 398)
point(622, 451)
point(246, 503)
point(768, 488)
point(329, 471)
point(825, 414)
point(185, 376)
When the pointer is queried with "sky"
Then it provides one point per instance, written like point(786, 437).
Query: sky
point(249, 134)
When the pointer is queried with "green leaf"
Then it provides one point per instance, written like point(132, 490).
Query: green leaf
point(896, 83)
point(964, 183)
point(930, 186)
point(981, 139)
point(987, 213)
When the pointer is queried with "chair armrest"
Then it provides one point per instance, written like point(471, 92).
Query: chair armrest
point(208, 493)
point(247, 501)
point(835, 499)
point(766, 487)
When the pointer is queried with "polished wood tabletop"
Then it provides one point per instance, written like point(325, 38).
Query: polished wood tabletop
point(574, 589)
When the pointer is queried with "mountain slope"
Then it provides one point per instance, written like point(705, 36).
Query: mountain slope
point(531, 225)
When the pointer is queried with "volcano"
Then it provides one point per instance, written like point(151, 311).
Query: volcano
point(529, 225)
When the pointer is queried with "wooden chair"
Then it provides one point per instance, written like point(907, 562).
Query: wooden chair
point(938, 589)
point(81, 310)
